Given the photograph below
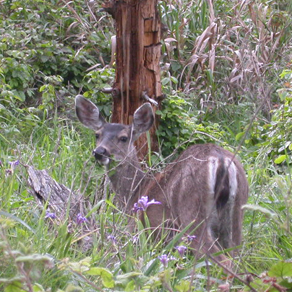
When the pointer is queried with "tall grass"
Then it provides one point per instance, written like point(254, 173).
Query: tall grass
point(43, 253)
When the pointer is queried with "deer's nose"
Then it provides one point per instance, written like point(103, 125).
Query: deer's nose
point(99, 153)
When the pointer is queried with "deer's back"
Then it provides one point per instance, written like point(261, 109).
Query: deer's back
point(202, 179)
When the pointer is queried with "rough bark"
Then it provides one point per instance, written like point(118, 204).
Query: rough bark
point(138, 50)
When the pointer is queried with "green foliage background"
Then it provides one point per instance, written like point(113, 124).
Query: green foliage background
point(226, 73)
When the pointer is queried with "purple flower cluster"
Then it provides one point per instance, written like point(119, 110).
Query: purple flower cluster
point(189, 238)
point(50, 215)
point(164, 259)
point(143, 203)
point(13, 165)
point(80, 219)
point(181, 250)
point(112, 239)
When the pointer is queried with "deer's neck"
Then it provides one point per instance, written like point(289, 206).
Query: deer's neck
point(127, 179)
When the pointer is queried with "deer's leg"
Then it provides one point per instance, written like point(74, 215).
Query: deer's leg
point(237, 224)
point(205, 244)
point(225, 225)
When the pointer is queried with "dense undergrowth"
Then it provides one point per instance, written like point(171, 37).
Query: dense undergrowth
point(227, 74)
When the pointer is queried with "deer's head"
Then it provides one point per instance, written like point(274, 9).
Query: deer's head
point(113, 141)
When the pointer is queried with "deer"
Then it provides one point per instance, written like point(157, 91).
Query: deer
point(203, 190)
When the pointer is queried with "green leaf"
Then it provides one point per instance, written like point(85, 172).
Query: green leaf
point(105, 274)
point(81, 266)
point(126, 277)
point(165, 81)
point(38, 288)
point(14, 286)
point(183, 286)
point(71, 288)
point(174, 80)
point(280, 159)
point(287, 283)
point(281, 269)
point(239, 136)
point(33, 258)
point(130, 286)
point(43, 88)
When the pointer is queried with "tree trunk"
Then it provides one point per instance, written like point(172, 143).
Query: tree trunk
point(138, 50)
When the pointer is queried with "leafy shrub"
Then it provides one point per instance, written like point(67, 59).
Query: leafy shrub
point(274, 137)
point(46, 49)
point(95, 82)
point(180, 126)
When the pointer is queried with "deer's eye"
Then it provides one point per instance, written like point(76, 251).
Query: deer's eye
point(123, 139)
point(97, 135)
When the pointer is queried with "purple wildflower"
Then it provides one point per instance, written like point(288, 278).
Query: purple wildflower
point(143, 204)
point(190, 238)
point(80, 219)
point(50, 215)
point(111, 238)
point(164, 259)
point(135, 239)
point(8, 172)
point(181, 250)
point(14, 164)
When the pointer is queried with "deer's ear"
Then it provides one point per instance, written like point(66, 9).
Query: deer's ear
point(88, 113)
point(143, 119)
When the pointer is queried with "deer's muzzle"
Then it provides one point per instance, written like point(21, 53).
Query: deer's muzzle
point(101, 155)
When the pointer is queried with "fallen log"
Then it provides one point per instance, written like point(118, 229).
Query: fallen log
point(62, 202)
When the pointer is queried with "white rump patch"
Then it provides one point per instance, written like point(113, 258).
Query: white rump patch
point(232, 173)
point(212, 169)
point(229, 165)
point(213, 165)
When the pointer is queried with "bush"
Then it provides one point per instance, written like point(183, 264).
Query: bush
point(180, 126)
point(46, 50)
